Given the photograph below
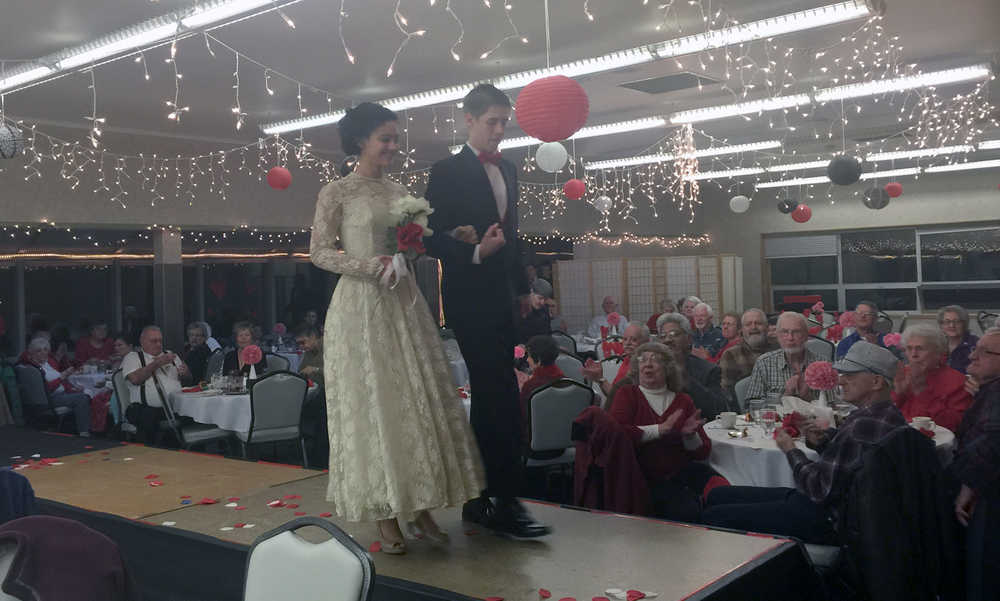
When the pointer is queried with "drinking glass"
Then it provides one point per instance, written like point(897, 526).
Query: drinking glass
point(768, 417)
point(756, 406)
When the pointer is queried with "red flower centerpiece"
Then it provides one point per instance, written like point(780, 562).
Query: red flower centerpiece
point(791, 423)
point(822, 377)
point(251, 355)
point(893, 339)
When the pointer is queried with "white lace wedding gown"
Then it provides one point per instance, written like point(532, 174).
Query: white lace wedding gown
point(400, 441)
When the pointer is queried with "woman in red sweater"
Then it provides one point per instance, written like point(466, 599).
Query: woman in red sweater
point(927, 386)
point(668, 434)
point(542, 352)
point(96, 347)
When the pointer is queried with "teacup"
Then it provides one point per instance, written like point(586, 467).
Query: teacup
point(922, 423)
point(727, 419)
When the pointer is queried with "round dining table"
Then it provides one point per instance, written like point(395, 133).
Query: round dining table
point(756, 459)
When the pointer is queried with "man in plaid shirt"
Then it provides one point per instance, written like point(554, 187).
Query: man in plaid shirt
point(782, 372)
point(977, 467)
point(866, 374)
point(737, 362)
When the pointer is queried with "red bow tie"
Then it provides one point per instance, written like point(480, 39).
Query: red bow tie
point(490, 157)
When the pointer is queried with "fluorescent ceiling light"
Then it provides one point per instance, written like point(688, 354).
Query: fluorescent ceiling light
point(110, 46)
point(592, 131)
point(727, 174)
point(890, 173)
point(757, 30)
point(801, 181)
point(740, 108)
point(663, 158)
point(984, 145)
point(871, 88)
point(23, 77)
point(908, 82)
point(213, 12)
point(918, 153)
point(798, 166)
point(964, 166)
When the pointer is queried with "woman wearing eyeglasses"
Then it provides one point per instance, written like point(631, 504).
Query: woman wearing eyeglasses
point(954, 323)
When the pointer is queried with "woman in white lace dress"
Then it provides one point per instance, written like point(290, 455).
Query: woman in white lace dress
point(400, 441)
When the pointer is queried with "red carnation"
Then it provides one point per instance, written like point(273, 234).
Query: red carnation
point(410, 237)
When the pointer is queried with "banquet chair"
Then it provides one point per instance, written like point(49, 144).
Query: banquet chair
point(552, 410)
point(276, 362)
point(281, 564)
point(821, 347)
point(571, 366)
point(190, 433)
point(35, 398)
point(565, 341)
point(124, 397)
point(214, 364)
point(276, 402)
point(883, 323)
point(741, 392)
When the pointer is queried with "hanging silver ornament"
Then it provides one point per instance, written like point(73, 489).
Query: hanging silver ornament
point(876, 198)
point(603, 203)
point(11, 141)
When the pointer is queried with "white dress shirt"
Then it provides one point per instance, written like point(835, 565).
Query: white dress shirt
point(499, 186)
point(166, 375)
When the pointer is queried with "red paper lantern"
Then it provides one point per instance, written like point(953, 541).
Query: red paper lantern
point(574, 189)
point(279, 178)
point(552, 108)
point(802, 213)
point(894, 189)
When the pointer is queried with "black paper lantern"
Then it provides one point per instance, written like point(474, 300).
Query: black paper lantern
point(844, 170)
point(788, 205)
point(876, 198)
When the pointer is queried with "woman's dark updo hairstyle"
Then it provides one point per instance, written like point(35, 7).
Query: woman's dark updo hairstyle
point(359, 123)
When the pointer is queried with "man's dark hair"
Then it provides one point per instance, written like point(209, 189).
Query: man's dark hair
point(868, 303)
point(543, 349)
point(482, 97)
point(307, 331)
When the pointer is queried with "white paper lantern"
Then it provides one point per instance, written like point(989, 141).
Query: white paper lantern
point(11, 141)
point(551, 157)
point(603, 203)
point(739, 204)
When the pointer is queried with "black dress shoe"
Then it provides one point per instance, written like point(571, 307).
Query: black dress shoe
point(479, 511)
point(513, 520)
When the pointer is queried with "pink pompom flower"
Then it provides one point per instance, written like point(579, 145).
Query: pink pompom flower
point(251, 355)
point(614, 319)
point(847, 319)
point(519, 352)
point(818, 307)
point(821, 376)
point(893, 339)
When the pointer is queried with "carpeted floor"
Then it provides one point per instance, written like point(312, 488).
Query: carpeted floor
point(19, 443)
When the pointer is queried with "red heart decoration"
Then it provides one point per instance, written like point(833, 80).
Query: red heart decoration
point(600, 599)
point(185, 496)
point(326, 514)
point(375, 547)
point(240, 508)
point(544, 593)
point(152, 477)
point(155, 483)
point(290, 497)
point(233, 499)
point(292, 505)
point(568, 599)
point(207, 501)
point(239, 525)
point(298, 513)
point(634, 595)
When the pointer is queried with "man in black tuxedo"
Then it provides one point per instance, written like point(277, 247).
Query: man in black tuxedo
point(474, 196)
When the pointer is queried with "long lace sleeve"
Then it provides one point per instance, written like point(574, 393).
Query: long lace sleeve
point(326, 230)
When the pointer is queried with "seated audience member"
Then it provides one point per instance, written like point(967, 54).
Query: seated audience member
point(635, 334)
point(666, 306)
point(60, 355)
point(152, 375)
point(243, 336)
point(196, 352)
point(122, 347)
point(601, 321)
point(311, 318)
point(314, 417)
point(310, 340)
point(706, 338)
point(537, 285)
point(541, 353)
point(537, 322)
point(96, 347)
point(977, 467)
point(804, 511)
point(666, 429)
point(954, 323)
point(730, 327)
point(737, 362)
point(62, 393)
point(865, 316)
point(782, 372)
point(927, 386)
point(701, 379)
point(686, 307)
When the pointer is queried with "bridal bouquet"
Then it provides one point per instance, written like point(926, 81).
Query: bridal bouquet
point(407, 236)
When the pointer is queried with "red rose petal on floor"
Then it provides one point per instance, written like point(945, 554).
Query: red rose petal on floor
point(544, 593)
point(568, 599)
point(375, 547)
point(634, 595)
point(471, 532)
point(207, 501)
point(239, 525)
point(233, 499)
point(151, 476)
point(290, 497)
point(600, 599)
point(300, 513)
point(326, 514)
point(185, 496)
point(292, 505)
point(276, 503)
point(240, 507)
point(155, 483)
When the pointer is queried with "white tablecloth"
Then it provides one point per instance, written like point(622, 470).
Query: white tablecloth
point(757, 461)
point(86, 381)
point(228, 411)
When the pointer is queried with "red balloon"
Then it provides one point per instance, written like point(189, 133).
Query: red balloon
point(802, 213)
point(894, 189)
point(279, 178)
point(552, 108)
point(574, 189)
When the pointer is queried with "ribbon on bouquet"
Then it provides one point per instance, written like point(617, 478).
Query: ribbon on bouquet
point(398, 268)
